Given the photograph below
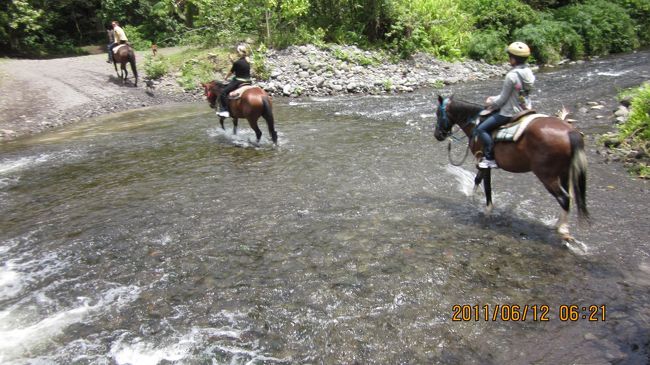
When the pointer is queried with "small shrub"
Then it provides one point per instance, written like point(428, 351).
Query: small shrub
point(156, 67)
point(195, 71)
point(550, 41)
point(488, 45)
point(388, 85)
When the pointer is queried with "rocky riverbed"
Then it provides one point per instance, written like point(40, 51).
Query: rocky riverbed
point(309, 70)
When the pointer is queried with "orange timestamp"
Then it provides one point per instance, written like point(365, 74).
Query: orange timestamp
point(528, 312)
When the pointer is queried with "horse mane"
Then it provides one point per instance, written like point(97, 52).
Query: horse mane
point(463, 110)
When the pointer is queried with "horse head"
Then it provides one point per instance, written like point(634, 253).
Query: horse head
point(211, 91)
point(443, 126)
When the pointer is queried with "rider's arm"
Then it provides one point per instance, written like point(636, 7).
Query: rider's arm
point(231, 72)
point(498, 101)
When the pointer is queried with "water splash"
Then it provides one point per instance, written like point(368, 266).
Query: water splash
point(244, 138)
point(577, 247)
point(464, 179)
point(15, 342)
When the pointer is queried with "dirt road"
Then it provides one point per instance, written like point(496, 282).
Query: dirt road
point(36, 95)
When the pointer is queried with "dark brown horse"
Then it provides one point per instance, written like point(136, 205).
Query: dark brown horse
point(123, 55)
point(549, 147)
point(252, 104)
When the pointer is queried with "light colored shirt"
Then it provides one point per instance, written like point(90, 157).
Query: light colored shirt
point(119, 34)
point(508, 101)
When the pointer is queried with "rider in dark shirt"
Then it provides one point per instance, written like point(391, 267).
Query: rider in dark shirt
point(242, 70)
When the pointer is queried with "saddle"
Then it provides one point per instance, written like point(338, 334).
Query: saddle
point(238, 92)
point(515, 128)
point(116, 48)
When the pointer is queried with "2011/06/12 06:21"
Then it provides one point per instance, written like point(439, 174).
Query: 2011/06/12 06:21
point(528, 312)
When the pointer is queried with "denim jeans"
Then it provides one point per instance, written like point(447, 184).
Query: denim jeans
point(484, 131)
point(232, 85)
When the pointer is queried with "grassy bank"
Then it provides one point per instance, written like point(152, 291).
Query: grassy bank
point(632, 138)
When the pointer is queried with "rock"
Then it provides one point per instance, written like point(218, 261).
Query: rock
point(287, 89)
point(319, 81)
point(622, 111)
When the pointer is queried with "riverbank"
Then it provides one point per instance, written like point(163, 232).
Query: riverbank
point(38, 95)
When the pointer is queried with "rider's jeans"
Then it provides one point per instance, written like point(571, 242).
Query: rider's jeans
point(484, 131)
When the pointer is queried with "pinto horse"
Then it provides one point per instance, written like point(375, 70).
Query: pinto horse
point(549, 147)
point(123, 55)
point(252, 104)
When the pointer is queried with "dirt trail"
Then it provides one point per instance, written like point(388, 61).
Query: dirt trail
point(36, 95)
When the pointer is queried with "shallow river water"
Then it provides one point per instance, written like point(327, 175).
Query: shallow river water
point(153, 237)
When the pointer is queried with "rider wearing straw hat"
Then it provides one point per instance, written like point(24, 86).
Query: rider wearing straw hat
point(241, 68)
point(512, 100)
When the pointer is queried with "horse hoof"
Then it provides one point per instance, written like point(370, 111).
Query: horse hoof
point(488, 210)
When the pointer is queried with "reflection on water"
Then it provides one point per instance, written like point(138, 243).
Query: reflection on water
point(154, 237)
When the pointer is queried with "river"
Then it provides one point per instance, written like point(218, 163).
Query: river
point(153, 237)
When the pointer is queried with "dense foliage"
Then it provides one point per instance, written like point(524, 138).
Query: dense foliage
point(555, 29)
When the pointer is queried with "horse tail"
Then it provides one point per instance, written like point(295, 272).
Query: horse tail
point(267, 113)
point(578, 173)
point(133, 68)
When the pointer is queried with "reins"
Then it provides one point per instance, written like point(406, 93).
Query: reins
point(449, 150)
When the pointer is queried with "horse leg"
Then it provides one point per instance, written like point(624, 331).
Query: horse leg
point(221, 119)
point(478, 179)
point(234, 125)
point(558, 188)
point(115, 64)
point(126, 73)
point(256, 128)
point(487, 186)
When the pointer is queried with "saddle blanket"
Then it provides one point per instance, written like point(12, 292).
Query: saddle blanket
point(512, 131)
point(118, 47)
point(237, 93)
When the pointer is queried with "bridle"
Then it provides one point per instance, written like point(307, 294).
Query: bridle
point(445, 123)
point(445, 130)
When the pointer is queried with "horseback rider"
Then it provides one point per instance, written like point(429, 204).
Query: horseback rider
point(120, 36)
point(241, 68)
point(512, 100)
point(110, 33)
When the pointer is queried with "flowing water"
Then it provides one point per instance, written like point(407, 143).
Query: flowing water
point(153, 237)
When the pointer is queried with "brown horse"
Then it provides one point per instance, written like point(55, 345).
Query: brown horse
point(252, 104)
point(122, 56)
point(549, 147)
